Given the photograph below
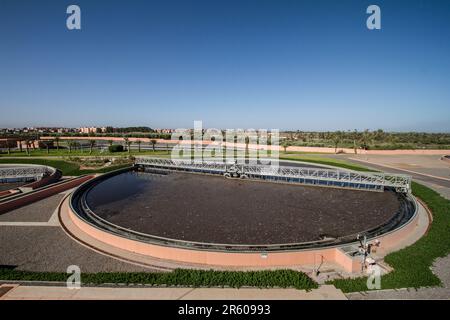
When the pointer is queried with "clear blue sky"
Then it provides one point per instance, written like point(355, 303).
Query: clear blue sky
point(307, 65)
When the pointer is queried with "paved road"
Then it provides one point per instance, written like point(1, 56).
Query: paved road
point(40, 211)
point(429, 170)
point(415, 175)
point(28, 292)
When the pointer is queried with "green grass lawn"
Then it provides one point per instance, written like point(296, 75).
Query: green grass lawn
point(322, 160)
point(412, 264)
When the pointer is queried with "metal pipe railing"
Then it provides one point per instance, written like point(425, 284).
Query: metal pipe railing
point(375, 181)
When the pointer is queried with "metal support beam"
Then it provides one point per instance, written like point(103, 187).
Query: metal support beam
point(372, 181)
point(24, 172)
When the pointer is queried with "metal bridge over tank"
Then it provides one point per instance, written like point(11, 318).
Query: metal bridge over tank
point(20, 173)
point(371, 181)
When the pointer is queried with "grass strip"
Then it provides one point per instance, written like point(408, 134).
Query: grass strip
point(412, 265)
point(325, 161)
point(178, 277)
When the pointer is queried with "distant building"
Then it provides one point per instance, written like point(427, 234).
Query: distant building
point(35, 144)
point(32, 143)
point(88, 130)
point(92, 130)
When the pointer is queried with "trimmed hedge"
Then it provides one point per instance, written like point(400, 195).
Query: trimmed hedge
point(178, 277)
point(115, 148)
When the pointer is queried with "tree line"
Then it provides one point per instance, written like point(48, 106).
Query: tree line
point(377, 139)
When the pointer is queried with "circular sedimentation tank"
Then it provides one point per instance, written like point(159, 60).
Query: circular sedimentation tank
point(204, 212)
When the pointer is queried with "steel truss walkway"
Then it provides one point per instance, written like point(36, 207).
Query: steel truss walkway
point(373, 181)
point(15, 173)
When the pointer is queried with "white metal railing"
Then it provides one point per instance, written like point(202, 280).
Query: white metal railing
point(376, 181)
point(24, 172)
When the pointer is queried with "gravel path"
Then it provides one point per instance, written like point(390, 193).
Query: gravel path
point(50, 249)
point(40, 211)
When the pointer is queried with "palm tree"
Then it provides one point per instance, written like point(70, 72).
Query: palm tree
point(153, 142)
point(7, 146)
point(365, 139)
point(139, 145)
point(285, 144)
point(110, 144)
point(337, 137)
point(91, 145)
point(57, 139)
point(379, 135)
point(247, 141)
point(27, 145)
point(355, 136)
point(19, 140)
point(71, 144)
point(46, 144)
point(127, 143)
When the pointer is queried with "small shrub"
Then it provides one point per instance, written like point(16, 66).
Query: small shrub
point(115, 148)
